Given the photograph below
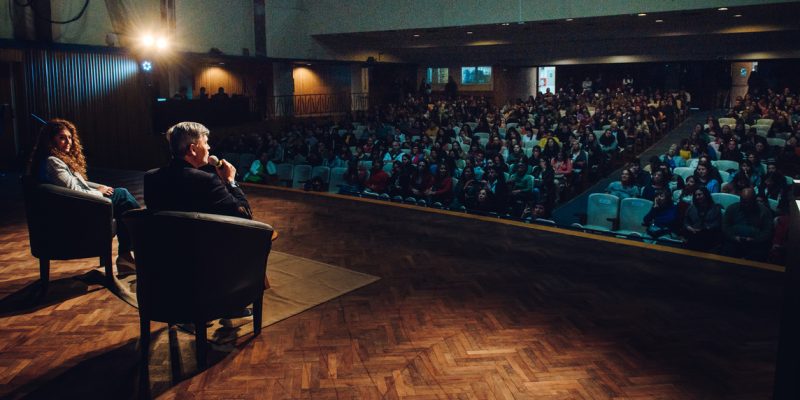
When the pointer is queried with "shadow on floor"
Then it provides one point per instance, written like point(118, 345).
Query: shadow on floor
point(29, 298)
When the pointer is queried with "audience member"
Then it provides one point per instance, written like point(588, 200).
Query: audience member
point(703, 221)
point(702, 177)
point(663, 217)
point(220, 95)
point(747, 228)
point(624, 187)
point(378, 181)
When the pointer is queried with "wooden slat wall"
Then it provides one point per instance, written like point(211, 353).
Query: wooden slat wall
point(323, 79)
point(105, 95)
point(213, 77)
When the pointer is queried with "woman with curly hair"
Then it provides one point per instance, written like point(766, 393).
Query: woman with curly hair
point(58, 159)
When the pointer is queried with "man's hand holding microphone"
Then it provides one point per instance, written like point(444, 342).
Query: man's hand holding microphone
point(225, 170)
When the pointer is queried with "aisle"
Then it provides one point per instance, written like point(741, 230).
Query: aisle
point(565, 214)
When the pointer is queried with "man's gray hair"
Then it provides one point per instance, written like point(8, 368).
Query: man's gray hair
point(182, 134)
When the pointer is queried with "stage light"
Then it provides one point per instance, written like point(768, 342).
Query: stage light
point(147, 66)
point(161, 43)
point(147, 40)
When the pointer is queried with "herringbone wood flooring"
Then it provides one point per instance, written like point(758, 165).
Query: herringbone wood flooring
point(465, 309)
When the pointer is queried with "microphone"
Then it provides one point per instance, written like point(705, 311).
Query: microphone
point(214, 161)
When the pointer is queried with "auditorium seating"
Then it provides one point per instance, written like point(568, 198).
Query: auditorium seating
point(301, 174)
point(724, 199)
point(683, 172)
point(337, 179)
point(321, 172)
point(631, 215)
point(726, 165)
point(624, 220)
point(285, 173)
point(601, 212)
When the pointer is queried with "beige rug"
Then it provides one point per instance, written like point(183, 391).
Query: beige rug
point(297, 284)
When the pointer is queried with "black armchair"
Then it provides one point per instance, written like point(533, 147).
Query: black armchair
point(66, 224)
point(194, 268)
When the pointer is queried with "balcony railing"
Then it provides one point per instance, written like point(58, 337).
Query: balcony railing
point(316, 104)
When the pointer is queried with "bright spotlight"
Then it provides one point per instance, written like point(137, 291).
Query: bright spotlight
point(148, 40)
point(161, 43)
point(147, 66)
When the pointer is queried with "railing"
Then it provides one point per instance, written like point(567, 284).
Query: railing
point(316, 104)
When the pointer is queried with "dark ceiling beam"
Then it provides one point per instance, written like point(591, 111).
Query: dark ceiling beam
point(260, 27)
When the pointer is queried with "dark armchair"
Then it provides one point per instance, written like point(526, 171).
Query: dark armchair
point(66, 224)
point(194, 268)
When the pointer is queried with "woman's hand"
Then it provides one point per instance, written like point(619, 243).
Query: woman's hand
point(105, 190)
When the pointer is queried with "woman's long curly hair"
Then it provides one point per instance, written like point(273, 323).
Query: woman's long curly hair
point(45, 147)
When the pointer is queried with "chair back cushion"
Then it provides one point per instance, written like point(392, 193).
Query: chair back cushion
point(600, 208)
point(631, 214)
point(66, 224)
point(194, 266)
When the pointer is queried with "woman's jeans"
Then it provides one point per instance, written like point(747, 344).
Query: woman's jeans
point(123, 201)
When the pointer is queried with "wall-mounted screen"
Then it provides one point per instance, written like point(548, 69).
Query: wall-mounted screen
point(476, 75)
point(547, 79)
point(437, 76)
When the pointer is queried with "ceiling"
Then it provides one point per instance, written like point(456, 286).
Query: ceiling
point(760, 32)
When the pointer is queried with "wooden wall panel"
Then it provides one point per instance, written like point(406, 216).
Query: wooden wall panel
point(212, 78)
point(323, 79)
point(105, 95)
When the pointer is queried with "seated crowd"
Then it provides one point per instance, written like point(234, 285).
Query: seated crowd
point(517, 160)
point(750, 158)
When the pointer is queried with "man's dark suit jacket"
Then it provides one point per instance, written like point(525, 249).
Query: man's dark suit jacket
point(181, 187)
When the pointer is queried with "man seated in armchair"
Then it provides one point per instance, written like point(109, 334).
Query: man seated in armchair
point(190, 183)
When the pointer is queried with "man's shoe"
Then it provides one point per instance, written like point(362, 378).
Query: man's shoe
point(243, 313)
point(237, 317)
point(125, 264)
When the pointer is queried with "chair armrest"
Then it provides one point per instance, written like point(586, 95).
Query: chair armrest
point(73, 194)
point(65, 223)
point(217, 218)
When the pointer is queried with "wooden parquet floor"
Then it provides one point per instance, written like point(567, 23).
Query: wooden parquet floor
point(464, 310)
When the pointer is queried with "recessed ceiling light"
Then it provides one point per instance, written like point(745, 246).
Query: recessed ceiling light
point(416, 35)
point(722, 9)
point(737, 15)
point(659, 20)
point(469, 32)
point(569, 19)
point(642, 14)
point(505, 24)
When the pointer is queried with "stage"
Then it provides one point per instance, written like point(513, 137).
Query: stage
point(464, 308)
